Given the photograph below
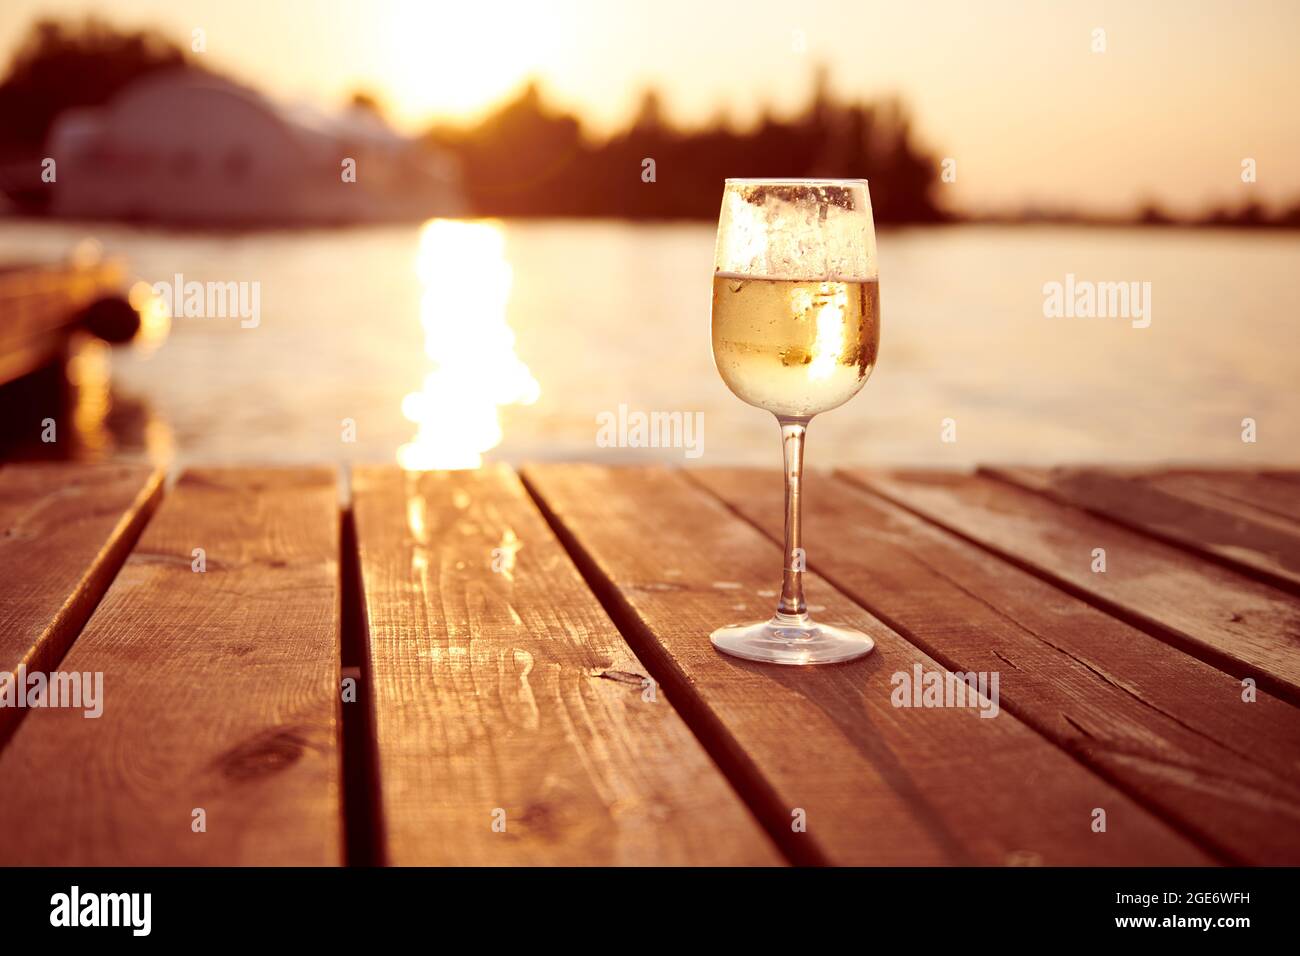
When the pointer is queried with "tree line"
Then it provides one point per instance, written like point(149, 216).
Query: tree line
point(528, 158)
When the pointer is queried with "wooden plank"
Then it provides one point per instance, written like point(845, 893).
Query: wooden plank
point(879, 784)
point(1241, 626)
point(1253, 495)
point(508, 696)
point(65, 530)
point(220, 693)
point(1260, 549)
point(1171, 730)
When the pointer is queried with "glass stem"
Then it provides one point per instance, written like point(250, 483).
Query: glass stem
point(792, 435)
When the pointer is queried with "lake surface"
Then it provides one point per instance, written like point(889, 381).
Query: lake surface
point(442, 343)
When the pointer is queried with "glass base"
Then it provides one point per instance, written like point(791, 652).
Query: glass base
point(791, 639)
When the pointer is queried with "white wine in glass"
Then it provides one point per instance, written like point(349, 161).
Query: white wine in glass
point(796, 326)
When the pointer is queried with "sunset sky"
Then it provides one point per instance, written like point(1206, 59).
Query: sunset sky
point(1011, 90)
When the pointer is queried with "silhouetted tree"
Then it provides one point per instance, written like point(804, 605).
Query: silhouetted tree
point(1152, 214)
point(367, 102)
point(64, 64)
point(526, 159)
point(523, 159)
point(60, 65)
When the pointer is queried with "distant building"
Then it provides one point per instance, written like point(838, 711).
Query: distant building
point(189, 148)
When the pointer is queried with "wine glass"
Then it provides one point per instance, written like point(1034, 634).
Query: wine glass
point(796, 324)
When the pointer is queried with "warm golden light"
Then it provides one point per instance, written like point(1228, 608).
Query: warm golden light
point(155, 318)
point(456, 59)
point(507, 552)
point(829, 341)
point(466, 279)
point(159, 442)
point(88, 373)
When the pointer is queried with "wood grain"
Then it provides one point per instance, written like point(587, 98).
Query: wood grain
point(503, 693)
point(1253, 495)
point(878, 784)
point(221, 693)
point(1263, 549)
point(1169, 729)
point(64, 531)
point(1242, 626)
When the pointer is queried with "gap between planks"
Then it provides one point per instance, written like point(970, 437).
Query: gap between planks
point(54, 589)
point(223, 692)
point(708, 729)
point(504, 694)
point(884, 785)
point(361, 820)
point(1265, 549)
point(1228, 620)
point(1165, 727)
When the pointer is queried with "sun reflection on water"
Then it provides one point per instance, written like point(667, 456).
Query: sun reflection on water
point(155, 318)
point(466, 278)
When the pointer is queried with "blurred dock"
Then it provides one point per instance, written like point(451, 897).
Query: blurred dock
point(43, 306)
point(46, 312)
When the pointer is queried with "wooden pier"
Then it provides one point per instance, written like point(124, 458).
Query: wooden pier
point(42, 306)
point(501, 668)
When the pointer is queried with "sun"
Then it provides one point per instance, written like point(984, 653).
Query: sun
point(451, 60)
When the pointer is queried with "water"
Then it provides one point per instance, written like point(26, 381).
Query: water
point(463, 327)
